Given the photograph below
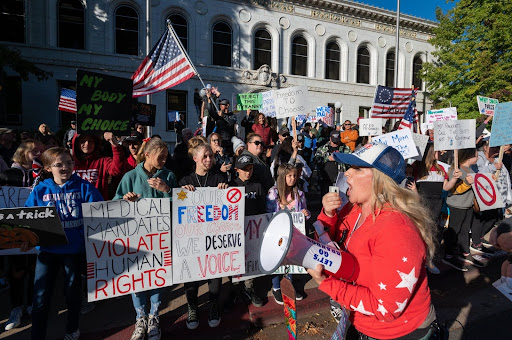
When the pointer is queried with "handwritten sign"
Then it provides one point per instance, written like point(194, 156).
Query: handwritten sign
point(454, 134)
point(128, 246)
point(370, 127)
point(426, 126)
point(421, 142)
point(449, 113)
point(486, 192)
point(401, 140)
point(143, 113)
point(253, 101)
point(291, 101)
point(326, 114)
point(486, 105)
point(208, 233)
point(502, 122)
point(103, 102)
point(13, 197)
point(268, 108)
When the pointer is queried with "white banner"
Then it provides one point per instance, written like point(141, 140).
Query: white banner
point(207, 233)
point(454, 134)
point(486, 192)
point(128, 246)
point(449, 113)
point(370, 127)
point(291, 101)
point(486, 105)
point(401, 140)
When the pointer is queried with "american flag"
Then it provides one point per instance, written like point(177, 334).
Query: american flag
point(167, 65)
point(67, 101)
point(390, 102)
point(410, 116)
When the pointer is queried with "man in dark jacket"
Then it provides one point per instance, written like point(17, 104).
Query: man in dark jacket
point(225, 125)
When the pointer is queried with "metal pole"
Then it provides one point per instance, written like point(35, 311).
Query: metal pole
point(148, 46)
point(397, 45)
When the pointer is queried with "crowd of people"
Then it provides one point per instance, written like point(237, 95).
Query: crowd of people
point(399, 209)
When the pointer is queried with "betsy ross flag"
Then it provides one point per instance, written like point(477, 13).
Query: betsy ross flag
point(167, 65)
point(390, 102)
point(67, 101)
point(410, 116)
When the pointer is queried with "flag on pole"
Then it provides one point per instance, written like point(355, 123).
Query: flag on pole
point(167, 65)
point(390, 102)
point(67, 101)
point(410, 116)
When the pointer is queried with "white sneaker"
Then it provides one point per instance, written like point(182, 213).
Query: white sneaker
point(141, 328)
point(73, 336)
point(14, 319)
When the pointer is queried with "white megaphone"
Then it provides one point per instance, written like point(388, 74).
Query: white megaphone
point(283, 244)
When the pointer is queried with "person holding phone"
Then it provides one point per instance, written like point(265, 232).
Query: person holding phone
point(223, 162)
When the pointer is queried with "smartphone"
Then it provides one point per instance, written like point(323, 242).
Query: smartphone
point(334, 188)
point(409, 181)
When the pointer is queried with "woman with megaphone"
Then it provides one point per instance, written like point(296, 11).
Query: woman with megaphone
point(389, 232)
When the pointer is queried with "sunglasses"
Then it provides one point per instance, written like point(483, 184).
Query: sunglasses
point(257, 143)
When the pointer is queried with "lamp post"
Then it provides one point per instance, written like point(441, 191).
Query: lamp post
point(338, 106)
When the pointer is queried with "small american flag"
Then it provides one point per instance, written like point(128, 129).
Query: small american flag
point(67, 100)
point(410, 115)
point(390, 102)
point(167, 65)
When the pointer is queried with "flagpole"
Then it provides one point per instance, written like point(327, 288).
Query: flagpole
point(148, 44)
point(397, 46)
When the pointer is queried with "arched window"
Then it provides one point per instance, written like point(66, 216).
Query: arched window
point(262, 48)
point(12, 20)
point(180, 25)
point(417, 64)
point(363, 65)
point(332, 61)
point(221, 44)
point(300, 56)
point(390, 69)
point(71, 24)
point(127, 30)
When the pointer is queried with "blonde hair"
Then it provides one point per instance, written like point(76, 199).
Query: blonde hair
point(47, 128)
point(386, 191)
point(194, 143)
point(20, 156)
point(151, 146)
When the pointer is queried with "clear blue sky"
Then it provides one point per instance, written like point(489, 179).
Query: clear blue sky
point(425, 9)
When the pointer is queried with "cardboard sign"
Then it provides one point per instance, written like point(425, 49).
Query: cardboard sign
point(13, 197)
point(486, 105)
point(128, 246)
point(39, 226)
point(253, 101)
point(501, 125)
point(401, 140)
point(207, 233)
point(454, 134)
point(421, 142)
point(143, 113)
point(486, 192)
point(103, 102)
point(370, 127)
point(449, 113)
point(291, 101)
point(268, 108)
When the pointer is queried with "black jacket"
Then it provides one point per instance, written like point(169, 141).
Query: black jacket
point(255, 196)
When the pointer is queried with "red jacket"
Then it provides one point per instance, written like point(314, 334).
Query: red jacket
point(390, 297)
point(263, 131)
point(96, 169)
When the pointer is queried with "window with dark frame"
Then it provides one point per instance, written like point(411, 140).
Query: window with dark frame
point(13, 101)
point(127, 30)
point(390, 69)
point(180, 26)
point(12, 21)
point(417, 64)
point(363, 65)
point(176, 101)
point(262, 48)
point(71, 24)
point(222, 44)
point(299, 56)
point(332, 61)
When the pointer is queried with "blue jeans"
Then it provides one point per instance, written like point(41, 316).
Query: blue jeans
point(139, 302)
point(276, 280)
point(47, 268)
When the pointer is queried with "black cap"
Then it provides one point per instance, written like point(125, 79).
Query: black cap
point(335, 137)
point(284, 130)
point(224, 102)
point(243, 161)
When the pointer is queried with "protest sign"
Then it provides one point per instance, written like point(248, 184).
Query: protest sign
point(13, 197)
point(143, 113)
point(370, 127)
point(421, 142)
point(503, 287)
point(486, 105)
point(253, 101)
point(268, 108)
point(502, 121)
point(291, 101)
point(426, 126)
point(207, 233)
point(173, 116)
point(486, 192)
point(128, 246)
point(454, 134)
point(38, 226)
point(326, 114)
point(401, 140)
point(104, 103)
point(254, 227)
point(449, 113)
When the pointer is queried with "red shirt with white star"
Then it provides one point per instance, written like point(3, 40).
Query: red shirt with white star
point(390, 298)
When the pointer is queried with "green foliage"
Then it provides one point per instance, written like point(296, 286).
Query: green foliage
point(473, 55)
point(13, 59)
